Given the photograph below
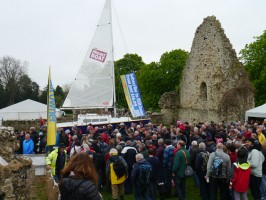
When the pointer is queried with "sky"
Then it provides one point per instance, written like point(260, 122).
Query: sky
point(57, 33)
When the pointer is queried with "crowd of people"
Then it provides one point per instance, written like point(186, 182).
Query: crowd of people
point(142, 159)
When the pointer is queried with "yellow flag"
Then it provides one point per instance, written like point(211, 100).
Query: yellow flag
point(51, 115)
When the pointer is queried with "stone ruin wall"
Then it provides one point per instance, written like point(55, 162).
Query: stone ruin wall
point(16, 172)
point(214, 84)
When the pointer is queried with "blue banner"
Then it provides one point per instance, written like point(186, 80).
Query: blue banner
point(132, 94)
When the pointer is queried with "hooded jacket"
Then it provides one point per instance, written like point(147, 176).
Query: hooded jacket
point(241, 176)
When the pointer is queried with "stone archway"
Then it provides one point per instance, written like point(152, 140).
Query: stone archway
point(203, 91)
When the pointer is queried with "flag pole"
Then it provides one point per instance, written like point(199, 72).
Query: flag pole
point(51, 115)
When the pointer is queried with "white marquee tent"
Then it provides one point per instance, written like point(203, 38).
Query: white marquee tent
point(258, 112)
point(26, 110)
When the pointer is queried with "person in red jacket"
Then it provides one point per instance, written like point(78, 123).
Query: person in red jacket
point(241, 176)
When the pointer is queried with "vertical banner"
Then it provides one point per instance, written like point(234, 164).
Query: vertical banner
point(132, 94)
point(51, 115)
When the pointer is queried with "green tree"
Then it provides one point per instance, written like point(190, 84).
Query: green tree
point(128, 64)
point(28, 89)
point(149, 85)
point(43, 96)
point(171, 67)
point(253, 57)
point(157, 78)
point(59, 96)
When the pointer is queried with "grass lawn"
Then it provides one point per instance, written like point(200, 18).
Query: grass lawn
point(192, 193)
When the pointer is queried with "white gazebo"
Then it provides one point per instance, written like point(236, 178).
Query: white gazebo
point(26, 110)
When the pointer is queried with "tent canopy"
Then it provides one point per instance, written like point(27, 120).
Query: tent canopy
point(26, 110)
point(258, 112)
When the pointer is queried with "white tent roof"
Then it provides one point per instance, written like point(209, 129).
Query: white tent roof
point(26, 110)
point(259, 112)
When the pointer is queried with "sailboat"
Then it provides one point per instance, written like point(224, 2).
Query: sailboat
point(94, 85)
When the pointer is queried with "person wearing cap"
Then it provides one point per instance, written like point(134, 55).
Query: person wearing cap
point(255, 159)
point(64, 136)
point(122, 129)
point(56, 161)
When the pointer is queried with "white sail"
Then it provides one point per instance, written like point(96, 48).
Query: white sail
point(93, 86)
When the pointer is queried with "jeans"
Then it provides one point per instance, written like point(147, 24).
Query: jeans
point(195, 179)
point(204, 189)
point(128, 184)
point(141, 194)
point(254, 184)
point(223, 186)
point(263, 187)
point(180, 186)
point(238, 194)
point(168, 180)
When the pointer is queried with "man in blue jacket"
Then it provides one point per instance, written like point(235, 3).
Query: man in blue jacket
point(28, 145)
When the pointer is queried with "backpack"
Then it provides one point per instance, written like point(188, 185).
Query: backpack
point(217, 165)
point(205, 159)
point(119, 168)
point(144, 173)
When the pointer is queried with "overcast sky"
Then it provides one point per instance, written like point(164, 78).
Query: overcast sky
point(58, 32)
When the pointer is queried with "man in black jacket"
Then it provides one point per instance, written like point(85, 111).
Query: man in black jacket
point(128, 153)
point(201, 170)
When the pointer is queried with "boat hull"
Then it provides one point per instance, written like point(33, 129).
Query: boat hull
point(83, 126)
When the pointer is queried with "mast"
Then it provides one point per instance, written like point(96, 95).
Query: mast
point(113, 67)
point(93, 86)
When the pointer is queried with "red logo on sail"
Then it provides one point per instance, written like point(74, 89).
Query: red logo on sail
point(105, 103)
point(98, 55)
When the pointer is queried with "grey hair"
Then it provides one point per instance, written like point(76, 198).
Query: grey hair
point(139, 157)
point(194, 143)
point(160, 141)
point(202, 146)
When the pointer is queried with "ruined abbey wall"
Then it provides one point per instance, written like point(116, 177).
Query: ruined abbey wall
point(16, 172)
point(214, 84)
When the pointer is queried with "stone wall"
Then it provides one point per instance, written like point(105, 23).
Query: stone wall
point(16, 172)
point(214, 84)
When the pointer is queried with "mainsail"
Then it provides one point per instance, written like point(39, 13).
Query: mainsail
point(93, 86)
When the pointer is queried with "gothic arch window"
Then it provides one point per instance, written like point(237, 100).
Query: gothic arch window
point(203, 91)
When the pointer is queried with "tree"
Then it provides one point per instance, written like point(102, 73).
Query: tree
point(11, 70)
point(157, 78)
point(28, 89)
point(43, 96)
point(149, 85)
point(253, 57)
point(128, 64)
point(171, 67)
point(3, 100)
point(59, 96)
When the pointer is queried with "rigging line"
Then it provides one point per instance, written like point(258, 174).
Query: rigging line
point(123, 40)
point(129, 62)
point(119, 27)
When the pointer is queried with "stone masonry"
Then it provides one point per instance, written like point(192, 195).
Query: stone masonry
point(214, 84)
point(16, 172)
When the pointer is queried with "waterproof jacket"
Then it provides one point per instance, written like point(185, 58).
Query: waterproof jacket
point(78, 189)
point(226, 165)
point(111, 172)
point(51, 160)
point(180, 162)
point(28, 146)
point(241, 176)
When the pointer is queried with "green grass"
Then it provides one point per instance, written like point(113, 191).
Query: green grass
point(192, 193)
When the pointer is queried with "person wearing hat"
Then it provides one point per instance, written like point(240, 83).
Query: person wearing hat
point(122, 129)
point(56, 161)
